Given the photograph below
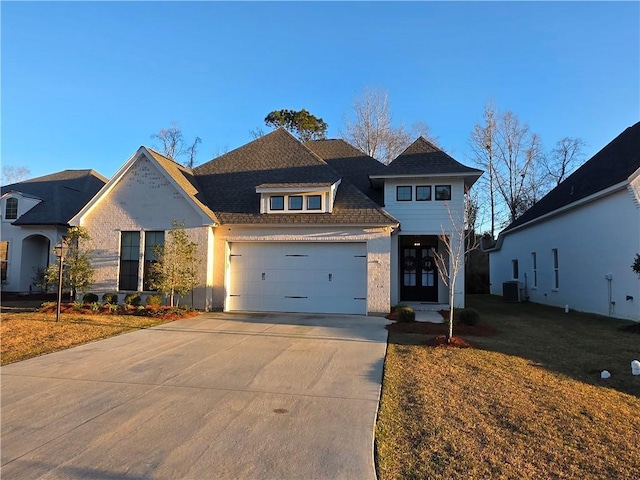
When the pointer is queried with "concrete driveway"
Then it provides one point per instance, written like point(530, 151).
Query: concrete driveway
point(242, 396)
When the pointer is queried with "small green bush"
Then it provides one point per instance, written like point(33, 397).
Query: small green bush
point(405, 314)
point(95, 306)
point(90, 298)
point(154, 300)
point(110, 298)
point(77, 305)
point(132, 299)
point(466, 316)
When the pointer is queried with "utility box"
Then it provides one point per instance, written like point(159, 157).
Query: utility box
point(511, 291)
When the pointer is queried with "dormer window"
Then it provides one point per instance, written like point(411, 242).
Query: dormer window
point(11, 209)
point(297, 197)
point(295, 202)
point(276, 202)
point(314, 202)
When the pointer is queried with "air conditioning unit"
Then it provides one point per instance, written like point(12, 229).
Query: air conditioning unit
point(511, 291)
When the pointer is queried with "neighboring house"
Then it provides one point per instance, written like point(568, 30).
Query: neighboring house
point(284, 226)
point(35, 215)
point(576, 245)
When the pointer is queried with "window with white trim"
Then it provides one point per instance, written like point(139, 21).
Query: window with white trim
point(514, 269)
point(298, 203)
point(295, 202)
point(534, 265)
point(11, 208)
point(314, 202)
point(276, 202)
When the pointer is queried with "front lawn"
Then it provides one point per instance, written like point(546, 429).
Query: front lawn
point(26, 335)
point(526, 403)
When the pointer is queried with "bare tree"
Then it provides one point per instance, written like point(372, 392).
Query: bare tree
point(191, 151)
point(371, 129)
point(257, 133)
point(563, 158)
point(483, 147)
point(518, 150)
point(511, 155)
point(11, 174)
point(458, 241)
point(174, 146)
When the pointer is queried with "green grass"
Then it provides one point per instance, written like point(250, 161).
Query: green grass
point(527, 403)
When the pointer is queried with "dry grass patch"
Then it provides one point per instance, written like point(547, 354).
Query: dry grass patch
point(26, 335)
point(528, 403)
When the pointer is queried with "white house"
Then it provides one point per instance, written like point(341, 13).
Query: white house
point(285, 226)
point(34, 215)
point(576, 245)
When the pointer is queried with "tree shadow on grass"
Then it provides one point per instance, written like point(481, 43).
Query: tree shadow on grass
point(574, 344)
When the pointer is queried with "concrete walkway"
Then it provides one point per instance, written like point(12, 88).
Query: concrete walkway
point(218, 396)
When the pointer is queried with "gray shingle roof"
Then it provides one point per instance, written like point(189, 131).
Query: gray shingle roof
point(424, 158)
point(612, 165)
point(63, 194)
point(229, 183)
point(351, 163)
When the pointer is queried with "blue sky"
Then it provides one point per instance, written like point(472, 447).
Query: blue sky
point(85, 84)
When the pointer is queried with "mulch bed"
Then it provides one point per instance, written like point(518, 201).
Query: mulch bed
point(166, 313)
point(441, 341)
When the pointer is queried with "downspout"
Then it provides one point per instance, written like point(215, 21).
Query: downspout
point(609, 278)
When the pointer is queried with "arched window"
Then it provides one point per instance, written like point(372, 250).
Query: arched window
point(11, 209)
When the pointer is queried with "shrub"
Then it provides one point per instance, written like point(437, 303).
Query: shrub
point(113, 307)
point(77, 305)
point(95, 306)
point(132, 299)
point(466, 316)
point(405, 314)
point(154, 300)
point(110, 298)
point(90, 298)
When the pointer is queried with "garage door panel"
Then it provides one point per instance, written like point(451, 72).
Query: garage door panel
point(298, 277)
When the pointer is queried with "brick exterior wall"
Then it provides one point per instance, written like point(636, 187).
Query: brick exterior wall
point(143, 199)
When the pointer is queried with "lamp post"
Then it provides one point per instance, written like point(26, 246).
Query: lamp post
point(60, 249)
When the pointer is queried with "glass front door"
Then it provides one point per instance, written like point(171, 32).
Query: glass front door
point(419, 276)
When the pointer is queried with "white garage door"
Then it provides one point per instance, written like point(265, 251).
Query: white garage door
point(298, 277)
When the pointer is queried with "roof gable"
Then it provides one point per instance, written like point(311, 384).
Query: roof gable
point(62, 195)
point(424, 158)
point(612, 165)
point(179, 176)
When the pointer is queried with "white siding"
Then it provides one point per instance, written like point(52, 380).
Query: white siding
point(594, 240)
point(424, 218)
point(26, 254)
